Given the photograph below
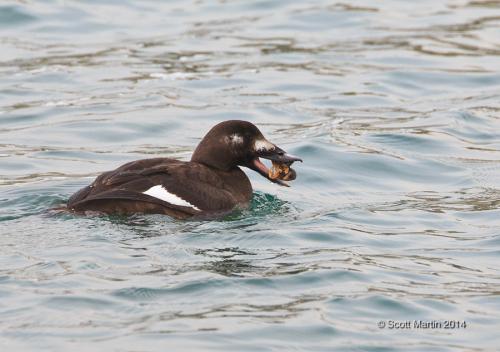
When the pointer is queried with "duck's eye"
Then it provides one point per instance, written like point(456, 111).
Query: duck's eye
point(235, 139)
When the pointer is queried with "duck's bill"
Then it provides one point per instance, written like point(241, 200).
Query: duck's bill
point(280, 170)
point(279, 155)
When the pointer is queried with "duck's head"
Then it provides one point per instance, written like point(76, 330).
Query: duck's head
point(240, 143)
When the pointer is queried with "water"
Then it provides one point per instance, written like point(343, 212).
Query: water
point(394, 107)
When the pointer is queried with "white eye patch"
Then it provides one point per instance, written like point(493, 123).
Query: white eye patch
point(235, 139)
point(161, 193)
point(262, 144)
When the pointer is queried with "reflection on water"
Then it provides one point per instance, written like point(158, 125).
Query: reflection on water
point(393, 105)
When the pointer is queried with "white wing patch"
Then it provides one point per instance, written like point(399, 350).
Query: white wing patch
point(161, 193)
point(262, 144)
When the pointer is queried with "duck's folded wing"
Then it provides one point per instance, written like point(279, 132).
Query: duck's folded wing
point(178, 188)
point(130, 201)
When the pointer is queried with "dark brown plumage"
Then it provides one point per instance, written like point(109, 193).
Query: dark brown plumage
point(211, 184)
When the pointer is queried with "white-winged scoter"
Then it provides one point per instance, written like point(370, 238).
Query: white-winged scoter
point(210, 184)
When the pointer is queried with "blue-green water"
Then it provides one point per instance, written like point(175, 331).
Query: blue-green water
point(395, 215)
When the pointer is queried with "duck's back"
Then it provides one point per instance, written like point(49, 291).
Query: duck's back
point(164, 186)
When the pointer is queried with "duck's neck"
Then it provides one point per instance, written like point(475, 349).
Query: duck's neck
point(238, 184)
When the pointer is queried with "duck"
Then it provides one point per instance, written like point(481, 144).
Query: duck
point(211, 184)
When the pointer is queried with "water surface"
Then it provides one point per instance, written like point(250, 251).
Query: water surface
point(394, 107)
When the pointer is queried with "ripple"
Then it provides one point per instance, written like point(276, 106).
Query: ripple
point(394, 215)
